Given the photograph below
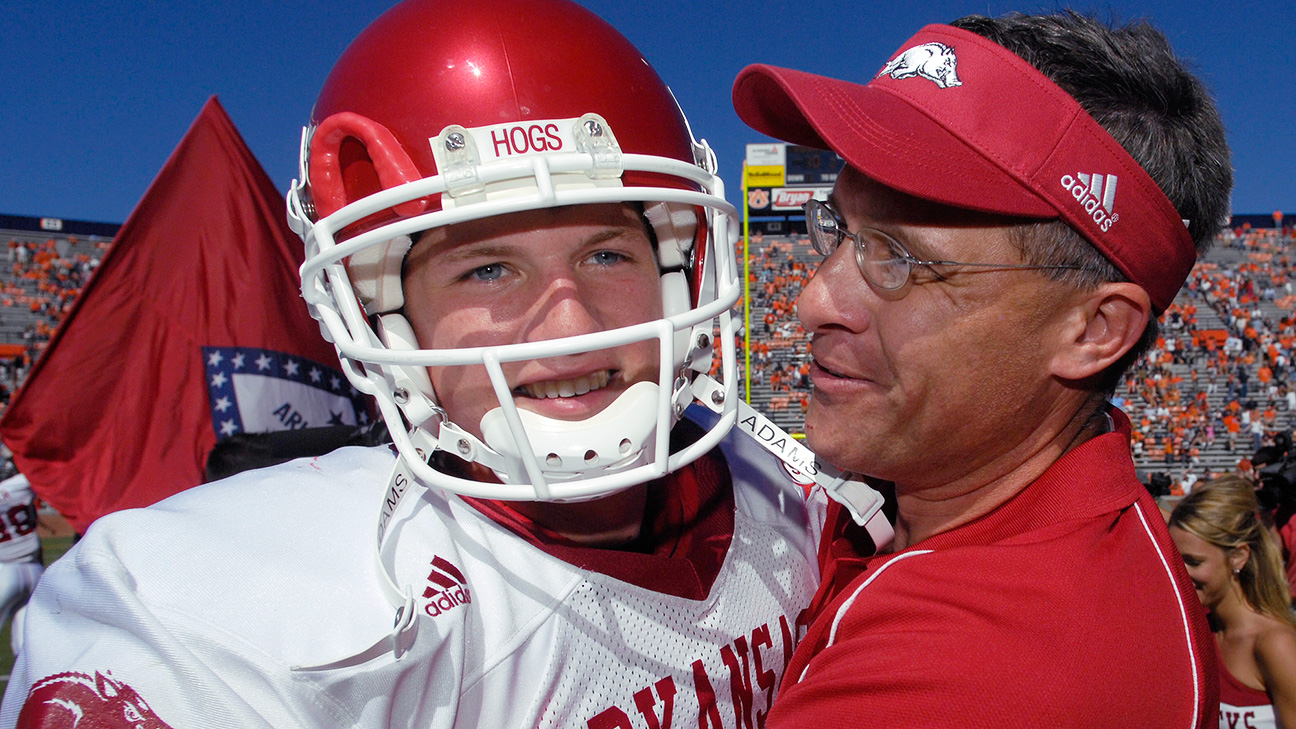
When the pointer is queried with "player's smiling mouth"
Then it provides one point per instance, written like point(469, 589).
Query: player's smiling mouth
point(566, 388)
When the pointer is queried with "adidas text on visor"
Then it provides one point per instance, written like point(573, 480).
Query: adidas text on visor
point(958, 119)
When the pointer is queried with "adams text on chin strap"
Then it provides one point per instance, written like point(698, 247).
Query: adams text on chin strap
point(860, 499)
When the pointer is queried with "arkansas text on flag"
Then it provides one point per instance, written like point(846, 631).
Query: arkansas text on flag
point(259, 390)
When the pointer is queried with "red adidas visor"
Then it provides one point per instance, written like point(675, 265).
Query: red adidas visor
point(957, 119)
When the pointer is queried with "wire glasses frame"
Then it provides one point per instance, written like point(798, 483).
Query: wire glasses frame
point(882, 260)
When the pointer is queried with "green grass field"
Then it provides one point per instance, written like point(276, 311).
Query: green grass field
point(53, 548)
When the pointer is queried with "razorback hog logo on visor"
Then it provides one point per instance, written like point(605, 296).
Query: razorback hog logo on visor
point(67, 700)
point(933, 61)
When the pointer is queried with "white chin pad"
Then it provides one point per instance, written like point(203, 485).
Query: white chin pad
point(619, 437)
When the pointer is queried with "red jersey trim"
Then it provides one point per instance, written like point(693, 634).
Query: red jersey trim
point(1235, 693)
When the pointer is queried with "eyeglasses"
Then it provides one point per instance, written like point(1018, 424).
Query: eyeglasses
point(882, 260)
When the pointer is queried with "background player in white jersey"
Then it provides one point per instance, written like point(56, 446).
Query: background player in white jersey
point(522, 253)
point(20, 553)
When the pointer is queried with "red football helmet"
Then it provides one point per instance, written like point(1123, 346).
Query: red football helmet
point(441, 113)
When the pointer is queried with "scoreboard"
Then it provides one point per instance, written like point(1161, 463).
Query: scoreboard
point(779, 178)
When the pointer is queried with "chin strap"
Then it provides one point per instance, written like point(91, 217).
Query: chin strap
point(612, 440)
point(398, 640)
point(847, 489)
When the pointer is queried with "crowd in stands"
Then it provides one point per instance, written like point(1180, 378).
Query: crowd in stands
point(37, 290)
point(779, 267)
point(1220, 383)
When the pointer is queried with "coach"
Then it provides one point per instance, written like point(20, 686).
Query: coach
point(1023, 197)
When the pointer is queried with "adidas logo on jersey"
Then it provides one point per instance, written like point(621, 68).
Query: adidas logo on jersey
point(1097, 194)
point(447, 589)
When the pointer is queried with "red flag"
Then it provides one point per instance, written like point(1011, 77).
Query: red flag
point(193, 324)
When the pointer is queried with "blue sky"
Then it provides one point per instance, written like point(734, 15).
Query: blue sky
point(95, 95)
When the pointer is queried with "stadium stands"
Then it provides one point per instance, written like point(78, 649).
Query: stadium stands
point(779, 268)
point(47, 263)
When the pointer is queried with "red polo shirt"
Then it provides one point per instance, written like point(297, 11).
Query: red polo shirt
point(1068, 606)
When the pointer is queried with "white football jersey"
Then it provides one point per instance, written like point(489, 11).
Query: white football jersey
point(258, 601)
